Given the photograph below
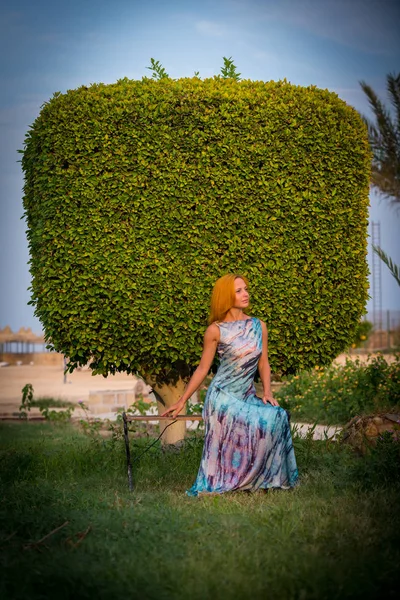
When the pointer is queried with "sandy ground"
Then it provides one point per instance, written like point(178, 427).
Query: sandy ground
point(49, 382)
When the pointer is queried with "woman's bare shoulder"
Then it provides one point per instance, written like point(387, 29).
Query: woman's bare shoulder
point(263, 325)
point(212, 332)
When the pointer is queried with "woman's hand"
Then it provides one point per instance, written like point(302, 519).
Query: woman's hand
point(269, 398)
point(264, 368)
point(175, 409)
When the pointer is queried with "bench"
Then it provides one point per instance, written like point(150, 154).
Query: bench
point(130, 418)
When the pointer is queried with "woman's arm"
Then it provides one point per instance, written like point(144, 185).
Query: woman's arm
point(211, 339)
point(265, 370)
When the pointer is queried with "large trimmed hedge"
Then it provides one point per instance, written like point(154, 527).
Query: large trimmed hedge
point(140, 194)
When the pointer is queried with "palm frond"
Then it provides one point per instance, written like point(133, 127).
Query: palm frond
point(394, 269)
point(393, 88)
point(384, 139)
point(386, 128)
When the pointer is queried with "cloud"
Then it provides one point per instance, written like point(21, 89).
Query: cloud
point(210, 28)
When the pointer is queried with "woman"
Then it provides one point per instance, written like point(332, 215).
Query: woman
point(248, 445)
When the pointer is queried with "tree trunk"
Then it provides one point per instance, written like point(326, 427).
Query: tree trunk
point(171, 394)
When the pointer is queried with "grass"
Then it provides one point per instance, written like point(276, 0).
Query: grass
point(335, 536)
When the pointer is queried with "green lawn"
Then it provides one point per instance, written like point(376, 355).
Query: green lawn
point(337, 535)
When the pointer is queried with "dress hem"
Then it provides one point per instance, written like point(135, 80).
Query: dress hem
point(264, 488)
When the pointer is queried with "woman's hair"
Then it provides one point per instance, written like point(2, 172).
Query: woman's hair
point(223, 296)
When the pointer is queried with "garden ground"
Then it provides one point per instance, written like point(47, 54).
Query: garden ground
point(335, 536)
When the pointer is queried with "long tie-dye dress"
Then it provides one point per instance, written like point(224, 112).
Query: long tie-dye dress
point(248, 444)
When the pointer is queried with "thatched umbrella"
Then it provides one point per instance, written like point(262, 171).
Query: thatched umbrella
point(23, 336)
point(32, 338)
point(26, 336)
point(7, 336)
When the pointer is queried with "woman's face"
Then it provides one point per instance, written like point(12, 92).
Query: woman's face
point(242, 297)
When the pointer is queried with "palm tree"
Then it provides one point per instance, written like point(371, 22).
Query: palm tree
point(384, 139)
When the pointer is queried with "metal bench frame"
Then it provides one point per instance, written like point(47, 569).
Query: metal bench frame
point(146, 418)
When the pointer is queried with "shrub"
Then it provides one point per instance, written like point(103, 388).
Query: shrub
point(337, 393)
point(140, 194)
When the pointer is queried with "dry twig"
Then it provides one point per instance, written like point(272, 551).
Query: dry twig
point(80, 535)
point(36, 544)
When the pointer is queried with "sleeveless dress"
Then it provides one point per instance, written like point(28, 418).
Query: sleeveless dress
point(248, 444)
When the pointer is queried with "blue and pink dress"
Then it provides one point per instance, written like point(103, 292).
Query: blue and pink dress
point(248, 444)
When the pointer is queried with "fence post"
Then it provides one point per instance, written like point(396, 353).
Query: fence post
point(388, 328)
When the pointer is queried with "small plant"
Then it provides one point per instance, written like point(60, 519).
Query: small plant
point(228, 71)
point(44, 404)
point(26, 402)
point(158, 70)
point(90, 426)
point(140, 406)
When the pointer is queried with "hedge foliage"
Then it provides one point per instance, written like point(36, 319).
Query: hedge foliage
point(140, 194)
point(336, 393)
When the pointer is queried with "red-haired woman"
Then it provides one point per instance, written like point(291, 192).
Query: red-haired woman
point(248, 445)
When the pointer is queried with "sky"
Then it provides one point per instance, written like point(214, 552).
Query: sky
point(48, 46)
